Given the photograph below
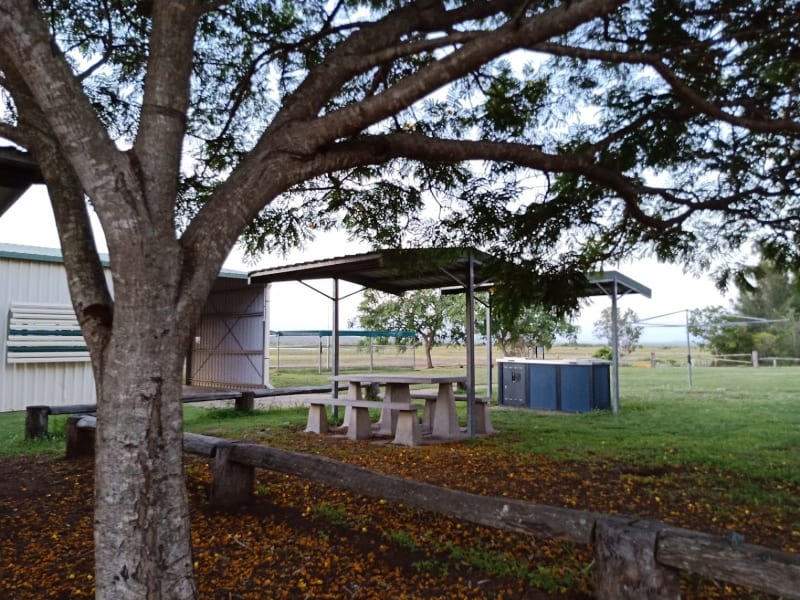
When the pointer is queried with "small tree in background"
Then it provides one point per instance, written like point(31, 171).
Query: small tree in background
point(628, 333)
point(435, 318)
point(534, 326)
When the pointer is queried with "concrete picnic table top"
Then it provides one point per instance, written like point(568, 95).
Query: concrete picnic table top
point(399, 378)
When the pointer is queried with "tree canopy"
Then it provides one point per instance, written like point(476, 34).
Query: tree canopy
point(628, 332)
point(436, 319)
point(559, 134)
point(593, 131)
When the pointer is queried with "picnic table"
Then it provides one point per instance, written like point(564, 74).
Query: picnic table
point(398, 413)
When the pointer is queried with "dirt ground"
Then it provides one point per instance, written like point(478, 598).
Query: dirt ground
point(300, 539)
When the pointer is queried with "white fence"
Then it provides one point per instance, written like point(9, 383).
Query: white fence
point(754, 360)
point(369, 356)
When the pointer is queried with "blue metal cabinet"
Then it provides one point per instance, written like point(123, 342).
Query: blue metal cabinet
point(561, 385)
point(544, 386)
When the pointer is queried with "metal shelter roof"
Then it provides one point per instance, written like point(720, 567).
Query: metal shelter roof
point(18, 171)
point(394, 271)
point(609, 282)
point(397, 271)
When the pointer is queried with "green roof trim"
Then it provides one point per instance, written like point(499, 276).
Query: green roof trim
point(398, 333)
point(53, 255)
point(40, 332)
point(16, 349)
point(38, 254)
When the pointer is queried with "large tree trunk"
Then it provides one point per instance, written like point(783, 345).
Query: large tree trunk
point(142, 539)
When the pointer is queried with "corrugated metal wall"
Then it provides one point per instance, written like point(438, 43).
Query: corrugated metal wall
point(229, 353)
point(228, 349)
point(26, 384)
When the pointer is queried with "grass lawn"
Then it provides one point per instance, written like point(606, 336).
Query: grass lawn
point(738, 419)
point(719, 457)
point(742, 420)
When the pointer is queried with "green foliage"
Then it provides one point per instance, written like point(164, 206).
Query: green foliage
point(434, 317)
point(628, 333)
point(765, 292)
point(604, 353)
point(722, 332)
point(696, 96)
point(534, 326)
point(402, 539)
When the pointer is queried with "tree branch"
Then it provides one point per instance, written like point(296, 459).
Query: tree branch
point(85, 276)
point(683, 91)
point(104, 172)
point(481, 49)
point(381, 149)
point(358, 53)
point(165, 102)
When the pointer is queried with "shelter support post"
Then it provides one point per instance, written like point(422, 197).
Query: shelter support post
point(471, 346)
point(336, 346)
point(689, 350)
point(489, 346)
point(615, 349)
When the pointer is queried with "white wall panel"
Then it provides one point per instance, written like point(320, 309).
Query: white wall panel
point(25, 384)
point(229, 354)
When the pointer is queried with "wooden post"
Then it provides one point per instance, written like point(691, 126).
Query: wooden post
point(80, 440)
point(233, 482)
point(246, 402)
point(626, 562)
point(36, 421)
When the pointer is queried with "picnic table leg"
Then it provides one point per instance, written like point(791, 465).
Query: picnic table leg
point(483, 419)
point(359, 427)
point(317, 419)
point(445, 418)
point(353, 393)
point(428, 415)
point(395, 392)
point(407, 432)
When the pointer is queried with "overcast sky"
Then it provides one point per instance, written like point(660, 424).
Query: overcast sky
point(295, 306)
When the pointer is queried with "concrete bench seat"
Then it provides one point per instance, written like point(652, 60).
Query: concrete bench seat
point(406, 429)
point(483, 420)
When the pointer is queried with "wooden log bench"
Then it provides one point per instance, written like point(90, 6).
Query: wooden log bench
point(80, 435)
point(635, 558)
point(37, 417)
point(483, 420)
point(406, 429)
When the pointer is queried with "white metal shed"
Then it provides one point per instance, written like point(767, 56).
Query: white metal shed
point(44, 357)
